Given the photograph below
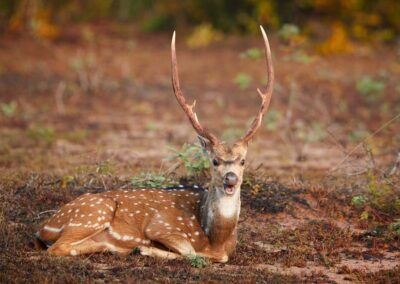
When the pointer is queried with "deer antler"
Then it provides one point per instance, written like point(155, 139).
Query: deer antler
point(265, 97)
point(188, 109)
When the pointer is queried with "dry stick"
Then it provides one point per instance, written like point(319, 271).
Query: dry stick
point(59, 97)
point(362, 142)
point(396, 165)
point(370, 156)
point(44, 212)
point(335, 141)
point(287, 135)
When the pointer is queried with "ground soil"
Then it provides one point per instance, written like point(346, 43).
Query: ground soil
point(90, 114)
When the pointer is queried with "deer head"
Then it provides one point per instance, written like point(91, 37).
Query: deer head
point(227, 160)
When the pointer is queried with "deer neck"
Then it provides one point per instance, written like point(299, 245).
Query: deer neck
point(219, 215)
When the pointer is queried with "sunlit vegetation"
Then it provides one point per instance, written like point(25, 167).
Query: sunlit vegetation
point(9, 110)
point(191, 157)
point(253, 53)
point(197, 261)
point(151, 180)
point(371, 90)
point(360, 20)
point(243, 80)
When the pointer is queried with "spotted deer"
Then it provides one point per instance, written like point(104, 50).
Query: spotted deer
point(164, 222)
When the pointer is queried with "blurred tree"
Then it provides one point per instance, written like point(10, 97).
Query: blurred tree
point(359, 19)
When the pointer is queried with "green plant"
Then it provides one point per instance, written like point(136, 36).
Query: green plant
point(364, 215)
point(75, 135)
point(9, 109)
point(358, 134)
point(395, 226)
point(315, 133)
point(104, 168)
point(371, 90)
point(203, 35)
point(243, 80)
point(150, 180)
point(196, 261)
point(358, 200)
point(192, 158)
point(300, 57)
point(288, 31)
point(231, 133)
point(271, 119)
point(151, 126)
point(253, 53)
point(156, 23)
point(380, 197)
point(41, 133)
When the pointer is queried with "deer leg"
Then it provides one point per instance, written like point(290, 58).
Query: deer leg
point(88, 246)
point(180, 247)
point(75, 241)
point(173, 241)
point(215, 257)
point(67, 246)
point(156, 252)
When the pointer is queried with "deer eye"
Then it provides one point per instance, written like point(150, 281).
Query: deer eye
point(242, 162)
point(215, 162)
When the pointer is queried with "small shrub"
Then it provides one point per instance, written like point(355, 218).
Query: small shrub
point(359, 133)
point(104, 168)
point(149, 180)
point(358, 200)
point(338, 42)
point(316, 133)
point(271, 119)
point(395, 226)
point(288, 32)
point(203, 35)
point(299, 57)
point(253, 53)
point(309, 133)
point(383, 195)
point(156, 23)
point(75, 135)
point(197, 261)
point(371, 90)
point(9, 110)
point(231, 133)
point(192, 158)
point(243, 80)
point(364, 215)
point(380, 197)
point(41, 133)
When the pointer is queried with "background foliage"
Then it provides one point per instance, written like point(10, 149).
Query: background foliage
point(359, 19)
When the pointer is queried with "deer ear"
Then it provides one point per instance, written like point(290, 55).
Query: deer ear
point(205, 144)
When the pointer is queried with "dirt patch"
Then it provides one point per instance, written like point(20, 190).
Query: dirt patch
point(267, 251)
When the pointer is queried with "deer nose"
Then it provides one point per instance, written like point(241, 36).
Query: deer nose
point(230, 179)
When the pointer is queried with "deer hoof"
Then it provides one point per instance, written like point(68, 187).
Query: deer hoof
point(145, 251)
point(223, 259)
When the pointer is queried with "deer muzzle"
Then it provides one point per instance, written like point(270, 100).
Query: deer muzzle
point(230, 182)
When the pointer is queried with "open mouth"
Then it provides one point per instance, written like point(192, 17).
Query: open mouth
point(229, 189)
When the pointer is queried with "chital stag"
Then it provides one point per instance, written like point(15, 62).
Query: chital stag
point(166, 223)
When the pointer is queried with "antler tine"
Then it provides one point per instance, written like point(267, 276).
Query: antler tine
point(265, 97)
point(188, 109)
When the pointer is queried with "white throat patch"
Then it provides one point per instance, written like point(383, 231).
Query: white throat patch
point(229, 205)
